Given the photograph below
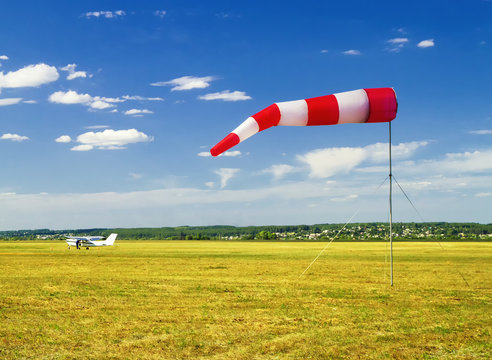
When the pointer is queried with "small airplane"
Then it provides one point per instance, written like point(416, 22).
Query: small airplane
point(90, 241)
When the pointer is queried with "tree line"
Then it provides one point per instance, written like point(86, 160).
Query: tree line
point(352, 232)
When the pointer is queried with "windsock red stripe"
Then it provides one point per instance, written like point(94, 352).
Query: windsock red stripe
point(322, 110)
point(383, 104)
point(225, 144)
point(267, 117)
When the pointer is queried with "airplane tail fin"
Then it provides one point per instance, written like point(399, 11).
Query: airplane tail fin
point(110, 239)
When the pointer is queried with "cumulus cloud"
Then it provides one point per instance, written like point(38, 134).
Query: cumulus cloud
point(187, 83)
point(280, 170)
point(63, 139)
point(93, 102)
point(341, 160)
point(138, 112)
point(225, 175)
point(426, 43)
point(69, 97)
point(72, 74)
point(352, 52)
point(104, 14)
point(29, 76)
point(10, 101)
point(475, 161)
point(13, 137)
point(82, 148)
point(328, 162)
point(110, 139)
point(100, 105)
point(226, 95)
point(4, 57)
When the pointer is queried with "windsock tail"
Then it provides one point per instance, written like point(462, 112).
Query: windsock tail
point(225, 144)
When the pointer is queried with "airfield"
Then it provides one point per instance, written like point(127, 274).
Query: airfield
point(245, 300)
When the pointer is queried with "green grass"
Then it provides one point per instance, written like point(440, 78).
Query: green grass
point(240, 300)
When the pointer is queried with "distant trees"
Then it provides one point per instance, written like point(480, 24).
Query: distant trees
point(439, 231)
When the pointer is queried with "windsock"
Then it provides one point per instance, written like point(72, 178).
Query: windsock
point(358, 106)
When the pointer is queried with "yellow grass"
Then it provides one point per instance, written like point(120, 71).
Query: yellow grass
point(240, 300)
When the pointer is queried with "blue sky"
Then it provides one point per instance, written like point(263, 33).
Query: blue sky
point(108, 110)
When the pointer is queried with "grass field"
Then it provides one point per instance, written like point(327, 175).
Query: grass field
point(243, 300)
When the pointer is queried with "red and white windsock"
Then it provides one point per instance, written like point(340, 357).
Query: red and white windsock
point(358, 106)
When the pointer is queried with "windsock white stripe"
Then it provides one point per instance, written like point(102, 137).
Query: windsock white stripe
point(293, 113)
point(247, 129)
point(353, 106)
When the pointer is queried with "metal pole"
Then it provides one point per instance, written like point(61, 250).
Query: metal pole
point(391, 206)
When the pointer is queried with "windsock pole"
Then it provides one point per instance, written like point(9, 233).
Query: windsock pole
point(390, 207)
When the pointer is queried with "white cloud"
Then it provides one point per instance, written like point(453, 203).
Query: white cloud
point(82, 148)
point(332, 161)
point(69, 97)
point(328, 162)
point(483, 194)
point(4, 57)
point(280, 170)
point(72, 74)
point(94, 102)
point(456, 163)
point(426, 43)
point(481, 132)
point(396, 44)
point(29, 76)
point(30, 102)
point(13, 137)
point(110, 139)
point(160, 13)
point(345, 198)
point(187, 83)
point(138, 112)
point(10, 101)
point(324, 51)
point(97, 127)
point(137, 97)
point(135, 176)
point(108, 99)
point(352, 52)
point(226, 95)
point(234, 153)
point(105, 14)
point(379, 152)
point(398, 41)
point(225, 175)
point(100, 105)
point(63, 139)
point(286, 203)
